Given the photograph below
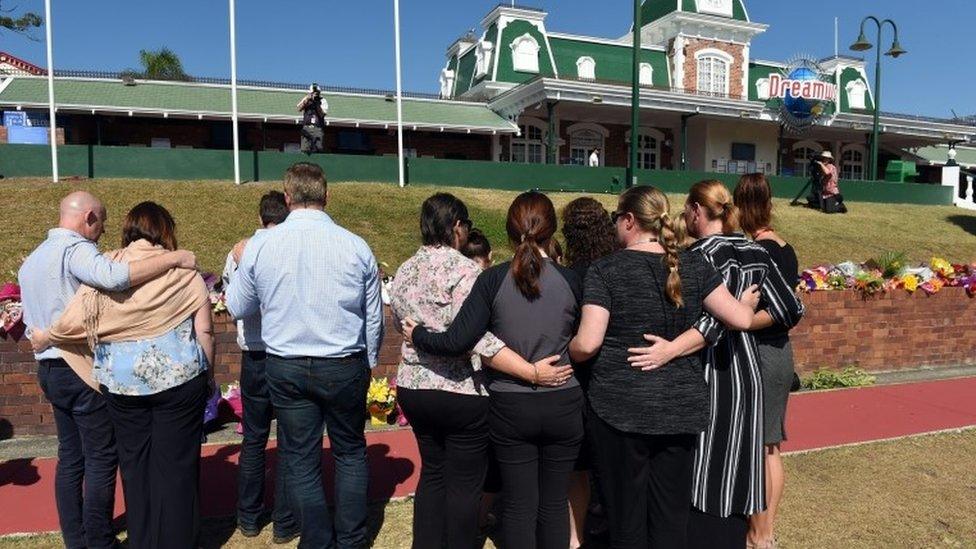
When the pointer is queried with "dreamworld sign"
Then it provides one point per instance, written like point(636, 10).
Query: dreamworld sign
point(812, 90)
point(807, 92)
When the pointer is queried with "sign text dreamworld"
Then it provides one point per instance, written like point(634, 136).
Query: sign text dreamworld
point(817, 90)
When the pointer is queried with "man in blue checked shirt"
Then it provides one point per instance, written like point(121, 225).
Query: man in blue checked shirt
point(84, 485)
point(317, 288)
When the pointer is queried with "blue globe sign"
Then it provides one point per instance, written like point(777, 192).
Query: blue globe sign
point(805, 91)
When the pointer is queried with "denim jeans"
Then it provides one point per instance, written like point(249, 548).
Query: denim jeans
point(84, 484)
point(307, 393)
point(258, 412)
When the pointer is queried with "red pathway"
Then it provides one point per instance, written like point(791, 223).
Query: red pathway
point(816, 420)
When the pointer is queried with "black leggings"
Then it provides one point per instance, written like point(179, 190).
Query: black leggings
point(452, 434)
point(536, 439)
point(646, 484)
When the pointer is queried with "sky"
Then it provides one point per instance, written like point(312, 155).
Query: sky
point(350, 43)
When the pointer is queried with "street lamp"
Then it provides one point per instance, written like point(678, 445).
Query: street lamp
point(862, 44)
point(634, 99)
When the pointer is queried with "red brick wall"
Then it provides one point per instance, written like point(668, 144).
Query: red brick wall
point(889, 332)
point(694, 45)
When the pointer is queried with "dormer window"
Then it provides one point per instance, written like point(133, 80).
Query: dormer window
point(714, 67)
point(447, 83)
point(525, 54)
point(716, 7)
point(646, 74)
point(586, 68)
point(482, 58)
point(856, 91)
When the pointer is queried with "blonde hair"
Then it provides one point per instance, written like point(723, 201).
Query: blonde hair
point(652, 212)
point(716, 201)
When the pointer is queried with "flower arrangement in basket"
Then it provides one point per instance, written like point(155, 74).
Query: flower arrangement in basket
point(380, 400)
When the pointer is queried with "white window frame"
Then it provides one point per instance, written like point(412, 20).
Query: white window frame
point(857, 92)
point(482, 56)
point(525, 54)
point(848, 165)
point(526, 144)
point(646, 75)
point(648, 158)
point(586, 68)
point(447, 83)
point(715, 57)
point(800, 167)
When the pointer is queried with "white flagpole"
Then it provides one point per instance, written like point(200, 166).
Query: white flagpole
point(399, 92)
point(50, 91)
point(233, 93)
point(836, 30)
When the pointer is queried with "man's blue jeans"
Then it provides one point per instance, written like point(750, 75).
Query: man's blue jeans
point(258, 412)
point(84, 484)
point(308, 393)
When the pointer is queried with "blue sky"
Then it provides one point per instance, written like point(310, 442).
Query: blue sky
point(350, 43)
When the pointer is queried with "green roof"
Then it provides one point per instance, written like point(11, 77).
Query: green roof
point(188, 99)
point(938, 154)
point(652, 10)
point(614, 62)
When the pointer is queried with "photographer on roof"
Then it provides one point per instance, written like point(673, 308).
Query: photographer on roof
point(313, 108)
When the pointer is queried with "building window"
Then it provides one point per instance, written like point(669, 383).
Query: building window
point(528, 147)
point(447, 83)
point(586, 68)
point(482, 56)
point(852, 163)
point(802, 154)
point(646, 77)
point(525, 54)
point(648, 151)
point(856, 90)
point(713, 72)
point(582, 143)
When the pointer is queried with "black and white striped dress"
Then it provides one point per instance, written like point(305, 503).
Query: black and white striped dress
point(729, 473)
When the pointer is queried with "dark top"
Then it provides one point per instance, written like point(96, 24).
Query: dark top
point(632, 285)
point(582, 370)
point(534, 329)
point(784, 258)
point(312, 114)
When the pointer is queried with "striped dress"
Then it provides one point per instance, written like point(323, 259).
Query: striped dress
point(729, 475)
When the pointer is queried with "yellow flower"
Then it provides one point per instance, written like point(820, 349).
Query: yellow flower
point(941, 266)
point(909, 282)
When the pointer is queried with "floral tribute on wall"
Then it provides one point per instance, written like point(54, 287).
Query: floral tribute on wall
point(11, 312)
point(890, 272)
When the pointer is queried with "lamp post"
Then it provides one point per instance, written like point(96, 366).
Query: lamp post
point(862, 44)
point(634, 100)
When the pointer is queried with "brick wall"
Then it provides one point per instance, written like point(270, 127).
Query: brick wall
point(694, 45)
point(889, 332)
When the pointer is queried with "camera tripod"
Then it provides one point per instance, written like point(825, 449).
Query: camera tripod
point(814, 192)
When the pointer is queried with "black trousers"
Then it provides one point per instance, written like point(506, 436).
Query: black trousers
point(84, 482)
point(646, 483)
point(452, 434)
point(707, 531)
point(536, 438)
point(158, 440)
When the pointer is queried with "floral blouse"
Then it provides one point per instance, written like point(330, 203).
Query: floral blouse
point(430, 288)
point(150, 366)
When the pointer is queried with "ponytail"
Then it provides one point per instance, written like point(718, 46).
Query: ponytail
point(530, 225)
point(650, 208)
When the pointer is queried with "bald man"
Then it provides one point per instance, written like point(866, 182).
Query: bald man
point(84, 484)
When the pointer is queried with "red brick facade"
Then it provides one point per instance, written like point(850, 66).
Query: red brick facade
point(694, 45)
point(890, 332)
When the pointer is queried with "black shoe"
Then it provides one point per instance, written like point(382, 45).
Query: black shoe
point(249, 531)
point(281, 539)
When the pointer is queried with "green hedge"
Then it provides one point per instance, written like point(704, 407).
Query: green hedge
point(148, 163)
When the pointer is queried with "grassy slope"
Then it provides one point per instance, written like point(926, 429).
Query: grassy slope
point(212, 216)
point(916, 492)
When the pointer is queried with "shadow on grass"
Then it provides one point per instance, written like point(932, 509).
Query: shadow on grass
point(964, 222)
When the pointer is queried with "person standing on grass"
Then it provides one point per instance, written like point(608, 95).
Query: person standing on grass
point(535, 419)
point(753, 198)
point(729, 475)
point(645, 421)
point(84, 484)
point(589, 235)
point(317, 288)
point(150, 349)
point(258, 410)
point(445, 398)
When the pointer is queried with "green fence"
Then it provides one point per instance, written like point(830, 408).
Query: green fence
point(149, 163)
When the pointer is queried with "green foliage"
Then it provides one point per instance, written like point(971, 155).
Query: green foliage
point(825, 378)
point(23, 24)
point(890, 264)
point(162, 64)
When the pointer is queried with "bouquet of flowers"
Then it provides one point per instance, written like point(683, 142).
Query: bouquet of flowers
point(380, 400)
point(11, 312)
point(890, 272)
point(215, 287)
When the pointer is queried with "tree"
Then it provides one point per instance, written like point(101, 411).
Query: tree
point(162, 64)
point(23, 24)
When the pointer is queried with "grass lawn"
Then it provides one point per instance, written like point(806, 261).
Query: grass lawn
point(212, 216)
point(915, 492)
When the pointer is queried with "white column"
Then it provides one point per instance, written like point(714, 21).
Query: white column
point(399, 93)
point(233, 93)
point(50, 91)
